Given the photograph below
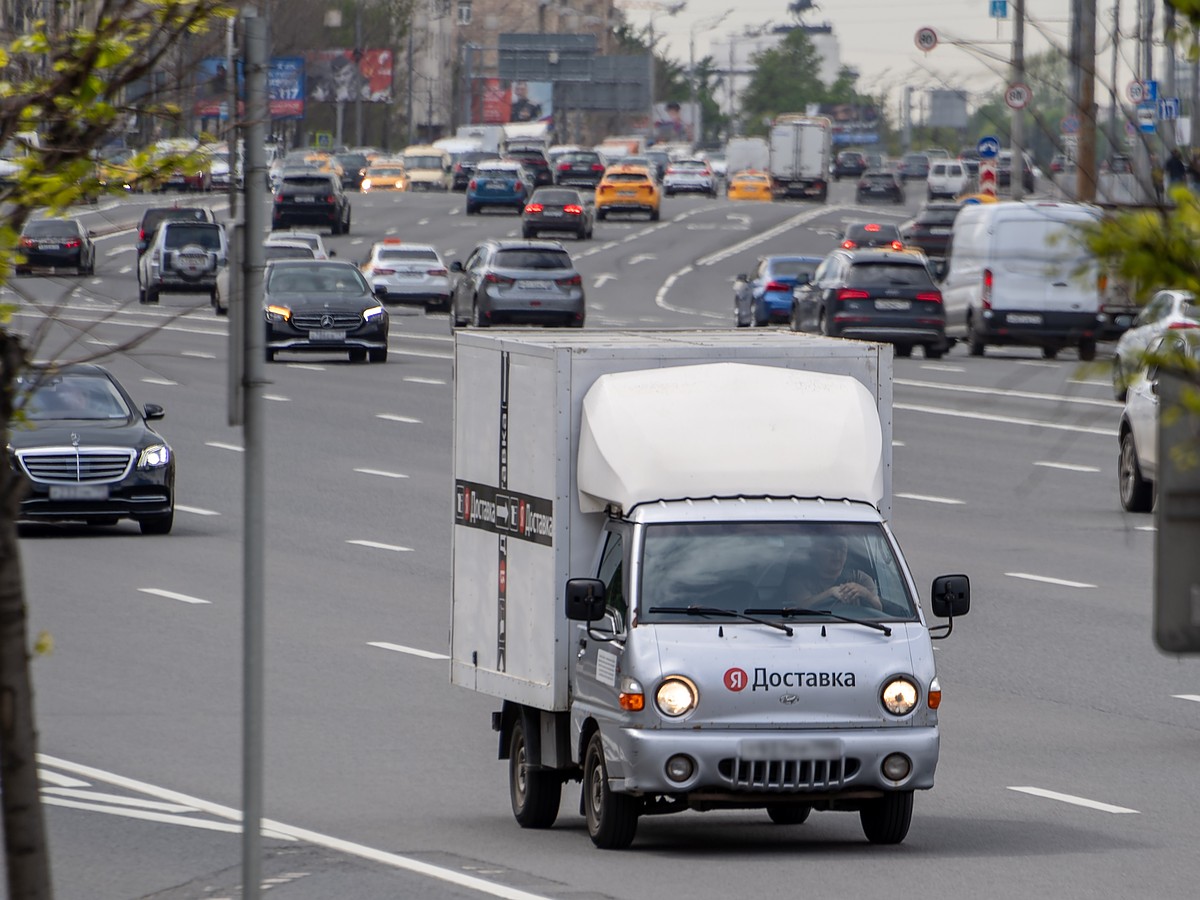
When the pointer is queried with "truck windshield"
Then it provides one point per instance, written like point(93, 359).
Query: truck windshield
point(772, 568)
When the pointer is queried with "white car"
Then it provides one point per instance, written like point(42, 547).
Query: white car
point(689, 175)
point(404, 272)
point(947, 178)
point(183, 257)
point(311, 238)
point(1167, 310)
point(272, 250)
point(1137, 466)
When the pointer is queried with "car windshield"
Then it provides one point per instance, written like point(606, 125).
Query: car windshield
point(556, 198)
point(879, 234)
point(181, 234)
point(329, 279)
point(793, 268)
point(423, 162)
point(278, 252)
point(533, 259)
point(73, 397)
point(880, 178)
point(586, 158)
point(401, 255)
point(497, 171)
point(768, 567)
point(889, 274)
point(312, 240)
point(385, 171)
point(628, 178)
point(51, 228)
point(314, 182)
point(938, 217)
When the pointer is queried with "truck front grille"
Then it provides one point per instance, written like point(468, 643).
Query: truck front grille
point(787, 774)
point(69, 465)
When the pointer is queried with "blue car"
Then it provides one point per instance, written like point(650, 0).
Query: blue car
point(499, 183)
point(766, 295)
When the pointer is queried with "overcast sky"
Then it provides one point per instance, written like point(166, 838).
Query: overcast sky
point(877, 37)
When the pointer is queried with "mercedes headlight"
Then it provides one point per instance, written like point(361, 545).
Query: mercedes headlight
point(278, 313)
point(899, 696)
point(373, 313)
point(154, 457)
point(675, 696)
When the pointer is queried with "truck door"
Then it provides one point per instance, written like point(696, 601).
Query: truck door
point(597, 656)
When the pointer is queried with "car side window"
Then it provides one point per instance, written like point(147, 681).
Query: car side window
point(612, 573)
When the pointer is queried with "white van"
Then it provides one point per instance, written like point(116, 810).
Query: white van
point(947, 178)
point(1020, 273)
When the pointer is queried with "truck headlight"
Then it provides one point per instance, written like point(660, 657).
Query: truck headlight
point(899, 696)
point(675, 696)
point(155, 456)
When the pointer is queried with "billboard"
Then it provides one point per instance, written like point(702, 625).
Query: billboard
point(285, 88)
point(853, 123)
point(332, 75)
point(676, 122)
point(496, 102)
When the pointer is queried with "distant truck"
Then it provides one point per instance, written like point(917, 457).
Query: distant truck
point(640, 534)
point(489, 136)
point(801, 156)
point(746, 153)
point(528, 134)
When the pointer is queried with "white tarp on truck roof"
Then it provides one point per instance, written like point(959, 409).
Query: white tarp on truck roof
point(743, 430)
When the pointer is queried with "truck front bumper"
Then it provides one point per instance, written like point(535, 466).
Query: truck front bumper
point(820, 764)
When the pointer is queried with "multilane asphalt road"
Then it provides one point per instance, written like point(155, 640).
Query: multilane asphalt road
point(1069, 753)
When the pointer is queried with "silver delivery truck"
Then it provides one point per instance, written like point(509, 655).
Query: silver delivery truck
point(672, 566)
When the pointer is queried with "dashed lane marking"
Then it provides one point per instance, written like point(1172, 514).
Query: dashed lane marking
point(171, 595)
point(1195, 698)
point(1066, 467)
point(382, 473)
point(411, 651)
point(1046, 579)
point(1007, 420)
point(997, 392)
point(196, 510)
point(391, 417)
point(1074, 801)
point(949, 501)
point(223, 446)
point(415, 379)
point(375, 545)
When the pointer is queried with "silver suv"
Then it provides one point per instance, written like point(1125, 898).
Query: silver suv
point(183, 258)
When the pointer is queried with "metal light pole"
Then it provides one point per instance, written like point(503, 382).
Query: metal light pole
point(709, 23)
point(1016, 182)
point(358, 54)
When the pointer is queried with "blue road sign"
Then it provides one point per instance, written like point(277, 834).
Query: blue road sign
point(988, 147)
point(1069, 124)
point(1146, 118)
point(998, 9)
point(1149, 91)
point(1168, 107)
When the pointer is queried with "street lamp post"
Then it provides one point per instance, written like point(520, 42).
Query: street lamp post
point(709, 23)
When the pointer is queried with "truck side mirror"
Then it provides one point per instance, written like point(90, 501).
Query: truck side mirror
point(585, 599)
point(951, 596)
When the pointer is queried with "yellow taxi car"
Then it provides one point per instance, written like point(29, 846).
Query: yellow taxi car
point(384, 175)
point(750, 185)
point(627, 189)
point(324, 162)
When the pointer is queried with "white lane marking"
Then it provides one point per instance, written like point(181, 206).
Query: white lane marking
point(1096, 381)
point(932, 367)
point(394, 418)
point(1073, 800)
point(928, 499)
point(898, 444)
point(1037, 365)
point(448, 876)
point(1195, 698)
point(381, 473)
point(222, 446)
point(51, 777)
point(454, 212)
point(641, 257)
point(1066, 467)
point(117, 799)
point(196, 510)
point(100, 343)
point(781, 228)
point(415, 379)
point(1021, 395)
point(601, 279)
point(357, 241)
point(171, 595)
point(422, 221)
point(441, 338)
point(1006, 420)
point(277, 398)
point(196, 354)
point(124, 270)
point(165, 382)
point(411, 651)
point(1146, 528)
point(375, 545)
point(1045, 579)
point(307, 367)
point(117, 251)
point(165, 818)
point(415, 354)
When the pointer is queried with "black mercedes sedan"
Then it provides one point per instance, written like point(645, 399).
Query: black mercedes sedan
point(323, 306)
point(51, 245)
point(87, 453)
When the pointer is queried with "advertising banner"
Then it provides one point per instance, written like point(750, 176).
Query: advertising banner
point(853, 123)
point(285, 88)
point(676, 122)
point(496, 102)
point(333, 76)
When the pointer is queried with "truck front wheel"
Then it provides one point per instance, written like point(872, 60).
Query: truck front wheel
point(611, 818)
point(535, 793)
point(886, 820)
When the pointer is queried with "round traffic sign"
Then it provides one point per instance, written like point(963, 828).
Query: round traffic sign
point(1018, 95)
point(988, 147)
point(926, 39)
point(1069, 125)
point(1135, 91)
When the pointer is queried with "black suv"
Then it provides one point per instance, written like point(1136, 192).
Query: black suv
point(874, 295)
point(534, 160)
point(155, 215)
point(311, 198)
point(849, 164)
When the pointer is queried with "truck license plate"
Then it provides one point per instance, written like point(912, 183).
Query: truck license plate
point(79, 492)
point(326, 334)
point(1024, 319)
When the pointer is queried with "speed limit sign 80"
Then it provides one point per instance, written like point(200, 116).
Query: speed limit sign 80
point(1018, 95)
point(926, 39)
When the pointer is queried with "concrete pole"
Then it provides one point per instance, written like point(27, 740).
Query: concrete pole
point(231, 130)
point(254, 45)
point(1168, 65)
point(1114, 96)
point(358, 51)
point(1085, 172)
point(1016, 184)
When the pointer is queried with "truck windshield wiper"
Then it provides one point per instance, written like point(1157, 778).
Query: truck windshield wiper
point(788, 611)
point(718, 611)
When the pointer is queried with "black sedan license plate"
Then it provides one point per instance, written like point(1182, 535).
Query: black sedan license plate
point(326, 334)
point(79, 492)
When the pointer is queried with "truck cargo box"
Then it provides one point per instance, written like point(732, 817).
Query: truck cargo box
point(519, 532)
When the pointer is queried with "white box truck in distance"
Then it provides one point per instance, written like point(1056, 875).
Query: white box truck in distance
point(673, 567)
point(801, 156)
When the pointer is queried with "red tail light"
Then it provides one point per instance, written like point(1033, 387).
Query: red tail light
point(572, 209)
point(279, 197)
point(493, 278)
point(435, 271)
point(72, 244)
point(471, 185)
point(142, 231)
point(458, 167)
point(671, 170)
point(987, 289)
point(331, 199)
point(28, 242)
point(383, 271)
point(533, 207)
point(863, 183)
point(897, 245)
point(596, 167)
point(573, 281)
point(777, 286)
point(1180, 326)
point(930, 296)
point(850, 294)
point(564, 167)
point(848, 244)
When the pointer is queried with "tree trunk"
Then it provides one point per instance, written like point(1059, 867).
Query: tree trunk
point(25, 847)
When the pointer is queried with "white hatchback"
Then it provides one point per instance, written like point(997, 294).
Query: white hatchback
point(947, 178)
point(402, 272)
